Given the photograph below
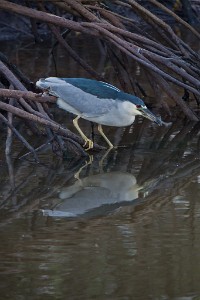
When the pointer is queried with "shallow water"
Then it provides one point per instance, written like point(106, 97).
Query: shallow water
point(118, 225)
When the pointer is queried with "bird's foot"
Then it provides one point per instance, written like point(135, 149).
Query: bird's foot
point(89, 144)
point(87, 163)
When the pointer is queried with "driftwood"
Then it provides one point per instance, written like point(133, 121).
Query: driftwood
point(168, 60)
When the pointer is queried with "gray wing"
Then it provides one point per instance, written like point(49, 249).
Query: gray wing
point(82, 102)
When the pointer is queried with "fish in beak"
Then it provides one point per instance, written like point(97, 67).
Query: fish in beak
point(146, 113)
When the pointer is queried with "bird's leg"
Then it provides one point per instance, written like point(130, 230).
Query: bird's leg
point(77, 175)
point(100, 129)
point(101, 162)
point(84, 137)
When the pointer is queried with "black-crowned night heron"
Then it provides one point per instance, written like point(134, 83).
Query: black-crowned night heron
point(96, 101)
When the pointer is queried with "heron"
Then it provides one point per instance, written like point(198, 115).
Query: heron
point(96, 101)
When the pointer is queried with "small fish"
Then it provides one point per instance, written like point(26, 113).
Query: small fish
point(160, 122)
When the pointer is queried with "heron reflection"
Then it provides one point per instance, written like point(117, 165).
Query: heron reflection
point(95, 194)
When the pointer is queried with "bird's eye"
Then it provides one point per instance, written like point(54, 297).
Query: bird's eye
point(138, 106)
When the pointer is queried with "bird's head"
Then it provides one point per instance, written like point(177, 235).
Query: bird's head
point(138, 107)
point(146, 113)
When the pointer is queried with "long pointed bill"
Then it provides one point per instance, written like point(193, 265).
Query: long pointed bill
point(149, 115)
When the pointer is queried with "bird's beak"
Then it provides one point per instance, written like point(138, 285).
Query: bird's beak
point(149, 115)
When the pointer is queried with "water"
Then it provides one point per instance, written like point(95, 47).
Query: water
point(118, 225)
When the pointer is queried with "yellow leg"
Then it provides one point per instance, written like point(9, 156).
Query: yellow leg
point(83, 167)
point(101, 162)
point(104, 136)
point(84, 137)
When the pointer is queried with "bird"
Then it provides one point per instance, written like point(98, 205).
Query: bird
point(95, 101)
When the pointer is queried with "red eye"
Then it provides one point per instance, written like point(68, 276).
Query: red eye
point(138, 106)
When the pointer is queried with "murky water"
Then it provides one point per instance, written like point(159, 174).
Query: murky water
point(121, 225)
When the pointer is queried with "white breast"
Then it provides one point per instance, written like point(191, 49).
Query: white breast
point(120, 116)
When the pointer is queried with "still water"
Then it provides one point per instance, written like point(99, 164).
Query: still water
point(118, 225)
